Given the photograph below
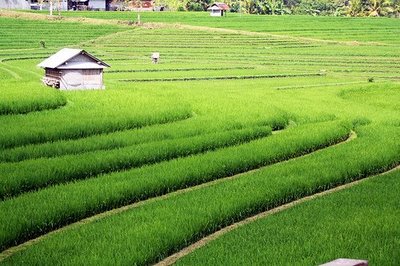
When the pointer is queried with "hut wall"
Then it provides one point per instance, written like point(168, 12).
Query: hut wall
point(52, 77)
point(75, 79)
point(216, 13)
point(97, 4)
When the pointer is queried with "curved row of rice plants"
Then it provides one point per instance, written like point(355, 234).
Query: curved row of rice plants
point(185, 147)
point(316, 236)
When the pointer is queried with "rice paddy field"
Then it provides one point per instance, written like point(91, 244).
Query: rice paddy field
point(192, 161)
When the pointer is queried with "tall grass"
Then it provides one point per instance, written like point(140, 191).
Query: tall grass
point(24, 98)
point(331, 28)
point(88, 197)
point(342, 224)
point(111, 125)
point(174, 130)
point(17, 33)
point(29, 175)
point(90, 113)
point(146, 234)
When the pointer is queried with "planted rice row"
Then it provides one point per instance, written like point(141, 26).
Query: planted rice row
point(16, 100)
point(178, 129)
point(175, 69)
point(35, 213)
point(15, 30)
point(338, 28)
point(341, 224)
point(17, 178)
point(192, 73)
point(90, 113)
point(148, 233)
point(226, 77)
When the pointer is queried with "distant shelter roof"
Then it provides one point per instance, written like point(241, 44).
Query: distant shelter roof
point(219, 6)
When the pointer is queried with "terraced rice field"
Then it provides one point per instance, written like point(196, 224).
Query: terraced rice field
point(242, 115)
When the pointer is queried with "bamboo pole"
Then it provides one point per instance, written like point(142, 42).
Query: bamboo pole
point(51, 7)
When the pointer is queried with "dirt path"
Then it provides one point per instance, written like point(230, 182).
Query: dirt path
point(9, 252)
point(204, 241)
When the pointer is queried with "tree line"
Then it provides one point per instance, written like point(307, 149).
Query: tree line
point(354, 8)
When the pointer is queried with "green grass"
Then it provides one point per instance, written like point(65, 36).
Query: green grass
point(29, 97)
point(65, 156)
point(90, 113)
point(355, 223)
point(161, 227)
point(193, 126)
point(30, 175)
point(17, 33)
point(331, 28)
point(149, 181)
point(376, 96)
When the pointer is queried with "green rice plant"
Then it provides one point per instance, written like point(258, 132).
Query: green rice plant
point(34, 213)
point(17, 178)
point(173, 69)
point(382, 95)
point(225, 77)
point(89, 113)
point(321, 27)
point(218, 73)
point(17, 33)
point(108, 141)
point(24, 98)
point(151, 231)
point(346, 50)
point(341, 224)
point(178, 129)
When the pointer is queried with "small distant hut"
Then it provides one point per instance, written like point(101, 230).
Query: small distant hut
point(72, 69)
point(218, 9)
point(89, 5)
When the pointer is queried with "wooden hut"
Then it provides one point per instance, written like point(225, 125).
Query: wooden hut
point(218, 9)
point(89, 5)
point(72, 69)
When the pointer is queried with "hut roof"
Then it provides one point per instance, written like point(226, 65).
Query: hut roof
point(220, 5)
point(213, 8)
point(64, 55)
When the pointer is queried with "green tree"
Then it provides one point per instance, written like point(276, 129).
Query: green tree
point(382, 8)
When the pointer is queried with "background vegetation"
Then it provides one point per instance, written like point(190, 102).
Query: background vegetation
point(354, 8)
point(358, 8)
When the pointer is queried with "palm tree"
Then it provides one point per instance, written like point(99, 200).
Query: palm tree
point(381, 8)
